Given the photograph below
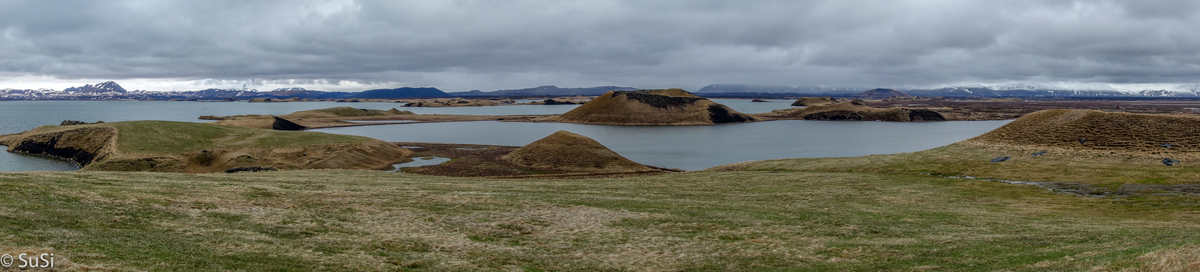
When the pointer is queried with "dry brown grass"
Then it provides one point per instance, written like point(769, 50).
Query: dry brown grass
point(652, 107)
point(565, 150)
point(1180, 259)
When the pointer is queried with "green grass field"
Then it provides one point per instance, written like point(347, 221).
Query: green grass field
point(748, 220)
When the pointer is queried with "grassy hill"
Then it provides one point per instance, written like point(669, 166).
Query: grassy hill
point(195, 147)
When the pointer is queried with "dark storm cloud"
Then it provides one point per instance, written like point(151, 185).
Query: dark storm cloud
point(462, 45)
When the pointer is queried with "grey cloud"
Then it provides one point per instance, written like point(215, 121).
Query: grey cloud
point(477, 44)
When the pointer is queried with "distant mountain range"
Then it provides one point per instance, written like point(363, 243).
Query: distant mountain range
point(113, 91)
point(1009, 90)
point(547, 91)
point(880, 94)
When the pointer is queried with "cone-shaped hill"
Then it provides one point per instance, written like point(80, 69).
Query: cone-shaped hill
point(1099, 131)
point(569, 151)
point(653, 107)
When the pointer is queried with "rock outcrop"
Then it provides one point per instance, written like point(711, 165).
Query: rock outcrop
point(284, 124)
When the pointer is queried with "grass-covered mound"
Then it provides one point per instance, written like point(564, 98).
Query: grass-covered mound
point(814, 101)
point(1101, 132)
point(858, 111)
point(319, 118)
point(569, 151)
point(163, 146)
point(653, 107)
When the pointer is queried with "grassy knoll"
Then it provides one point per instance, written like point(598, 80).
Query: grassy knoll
point(974, 160)
point(757, 220)
point(182, 137)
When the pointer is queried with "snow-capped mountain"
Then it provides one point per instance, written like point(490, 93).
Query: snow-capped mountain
point(104, 87)
point(1160, 89)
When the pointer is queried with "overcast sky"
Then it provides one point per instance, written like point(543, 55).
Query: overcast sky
point(490, 45)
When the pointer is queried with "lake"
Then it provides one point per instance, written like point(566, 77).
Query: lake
point(699, 147)
point(686, 147)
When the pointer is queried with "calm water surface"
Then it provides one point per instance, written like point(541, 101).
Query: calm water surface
point(689, 147)
point(699, 147)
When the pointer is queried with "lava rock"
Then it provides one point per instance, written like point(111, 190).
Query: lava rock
point(250, 169)
point(284, 124)
point(73, 122)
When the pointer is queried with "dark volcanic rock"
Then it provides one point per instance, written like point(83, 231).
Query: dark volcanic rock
point(284, 124)
point(250, 169)
point(837, 115)
point(656, 100)
point(556, 102)
point(917, 115)
point(721, 114)
point(73, 122)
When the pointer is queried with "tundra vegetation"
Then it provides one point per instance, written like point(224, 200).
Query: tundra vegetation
point(900, 212)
